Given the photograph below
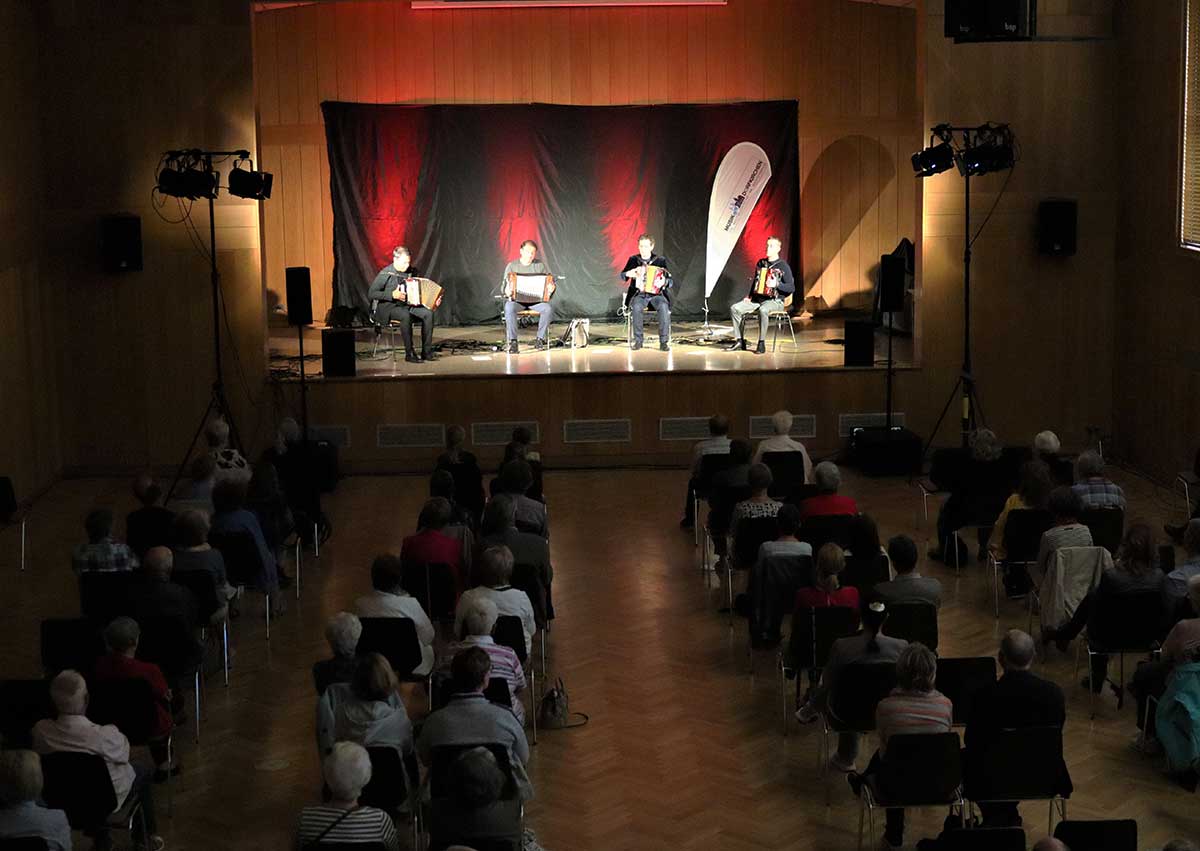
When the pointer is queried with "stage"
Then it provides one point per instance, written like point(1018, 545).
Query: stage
point(476, 351)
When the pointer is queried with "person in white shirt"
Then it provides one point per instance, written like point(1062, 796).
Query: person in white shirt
point(781, 441)
point(495, 573)
point(390, 600)
point(716, 444)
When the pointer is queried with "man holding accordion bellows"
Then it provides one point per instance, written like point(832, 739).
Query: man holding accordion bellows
point(649, 278)
point(390, 299)
point(772, 281)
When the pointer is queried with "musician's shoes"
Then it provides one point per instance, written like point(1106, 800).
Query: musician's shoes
point(635, 346)
point(512, 347)
point(737, 346)
point(762, 348)
point(411, 358)
point(428, 355)
point(539, 344)
point(666, 347)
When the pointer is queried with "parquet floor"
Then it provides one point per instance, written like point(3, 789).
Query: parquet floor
point(684, 748)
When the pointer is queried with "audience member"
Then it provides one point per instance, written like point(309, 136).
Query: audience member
point(367, 710)
point(231, 517)
point(196, 491)
point(978, 495)
point(464, 467)
point(155, 599)
point(500, 530)
point(1067, 530)
point(1182, 645)
point(737, 474)
point(828, 478)
point(469, 719)
point(760, 503)
point(494, 575)
point(150, 525)
point(347, 771)
point(1019, 699)
point(516, 478)
point(781, 441)
point(102, 553)
point(717, 443)
point(21, 814)
point(441, 485)
point(388, 599)
point(862, 538)
point(520, 448)
point(71, 731)
point(120, 664)
point(1046, 448)
point(1173, 845)
point(1049, 843)
point(1177, 722)
point(431, 544)
point(1175, 587)
point(1094, 490)
point(477, 622)
point(1032, 493)
point(293, 461)
point(786, 544)
point(193, 552)
point(477, 782)
point(909, 586)
point(265, 499)
point(231, 466)
point(826, 590)
point(342, 633)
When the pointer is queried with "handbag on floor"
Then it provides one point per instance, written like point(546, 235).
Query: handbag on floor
point(554, 712)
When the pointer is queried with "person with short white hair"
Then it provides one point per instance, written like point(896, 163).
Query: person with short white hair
point(231, 465)
point(342, 632)
point(1046, 443)
point(781, 441)
point(828, 478)
point(346, 771)
point(478, 620)
point(21, 816)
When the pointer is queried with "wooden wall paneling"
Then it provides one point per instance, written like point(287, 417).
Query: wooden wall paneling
point(889, 51)
point(890, 225)
point(424, 66)
point(292, 205)
point(848, 71)
point(325, 34)
point(697, 55)
point(308, 76)
point(311, 221)
point(869, 72)
point(868, 226)
point(363, 30)
point(384, 50)
point(266, 73)
point(561, 58)
point(286, 43)
point(348, 51)
point(543, 62)
point(623, 56)
point(854, 196)
point(600, 36)
point(753, 56)
point(779, 71)
point(463, 23)
point(677, 53)
point(722, 49)
point(495, 60)
point(810, 216)
point(275, 257)
point(579, 54)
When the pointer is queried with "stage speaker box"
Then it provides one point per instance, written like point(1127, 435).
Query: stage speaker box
point(892, 279)
point(990, 20)
point(337, 352)
point(121, 243)
point(299, 295)
point(883, 451)
point(1056, 226)
point(860, 342)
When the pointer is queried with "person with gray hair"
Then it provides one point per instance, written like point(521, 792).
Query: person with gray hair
point(494, 574)
point(828, 478)
point(1094, 489)
point(478, 619)
point(102, 553)
point(1049, 843)
point(21, 816)
point(781, 441)
point(342, 632)
point(231, 465)
point(346, 771)
point(977, 496)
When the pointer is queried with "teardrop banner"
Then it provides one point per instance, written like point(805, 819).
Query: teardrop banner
point(739, 183)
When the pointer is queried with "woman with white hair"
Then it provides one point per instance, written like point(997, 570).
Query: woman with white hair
point(781, 441)
point(476, 622)
point(342, 632)
point(231, 466)
point(346, 771)
point(21, 816)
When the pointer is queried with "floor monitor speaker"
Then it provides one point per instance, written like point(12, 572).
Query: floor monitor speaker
point(337, 352)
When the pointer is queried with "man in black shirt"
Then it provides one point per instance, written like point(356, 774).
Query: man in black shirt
point(387, 296)
point(778, 280)
point(642, 293)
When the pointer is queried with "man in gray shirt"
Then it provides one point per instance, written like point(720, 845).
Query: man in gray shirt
point(909, 586)
point(526, 264)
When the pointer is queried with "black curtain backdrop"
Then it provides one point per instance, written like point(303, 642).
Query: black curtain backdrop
point(463, 186)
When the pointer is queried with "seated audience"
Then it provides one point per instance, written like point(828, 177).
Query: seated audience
point(862, 538)
point(1049, 843)
point(469, 719)
point(265, 499)
point(978, 496)
point(1182, 645)
point(913, 707)
point(1094, 490)
point(477, 782)
point(155, 598)
point(828, 478)
point(390, 600)
point(478, 621)
point(367, 710)
point(1173, 845)
point(516, 478)
point(150, 525)
point(760, 503)
point(121, 663)
point(827, 591)
point(347, 771)
point(231, 517)
point(102, 553)
point(1046, 448)
point(22, 815)
point(441, 485)
point(1177, 722)
point(781, 441)
point(342, 633)
point(1032, 493)
point(787, 543)
point(1067, 531)
point(494, 575)
point(194, 552)
point(196, 490)
point(292, 459)
point(717, 443)
point(464, 467)
point(1017, 700)
point(500, 530)
point(909, 586)
point(231, 466)
point(521, 448)
point(72, 731)
point(431, 544)
point(1175, 587)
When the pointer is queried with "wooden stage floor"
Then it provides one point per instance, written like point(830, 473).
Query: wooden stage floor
point(476, 351)
point(684, 748)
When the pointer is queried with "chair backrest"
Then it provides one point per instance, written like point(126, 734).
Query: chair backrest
point(510, 632)
point(433, 586)
point(103, 595)
point(1023, 764)
point(130, 705)
point(818, 531)
point(396, 639)
point(857, 692)
point(169, 643)
point(815, 630)
point(949, 468)
point(23, 703)
point(1023, 533)
point(79, 784)
point(442, 763)
point(497, 692)
point(1131, 621)
point(921, 769)
point(8, 499)
point(525, 577)
point(390, 781)
point(721, 501)
point(70, 643)
point(787, 472)
point(1107, 526)
point(983, 839)
point(710, 465)
point(864, 572)
point(960, 679)
point(1101, 835)
point(203, 586)
point(752, 532)
point(24, 843)
point(243, 562)
point(914, 621)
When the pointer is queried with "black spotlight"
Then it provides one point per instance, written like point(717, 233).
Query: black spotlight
point(183, 180)
point(993, 156)
point(255, 185)
point(933, 160)
point(171, 182)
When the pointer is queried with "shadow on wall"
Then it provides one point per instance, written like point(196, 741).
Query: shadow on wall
point(843, 184)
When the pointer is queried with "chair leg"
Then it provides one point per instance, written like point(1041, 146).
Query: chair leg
point(316, 540)
point(791, 328)
point(995, 584)
point(861, 812)
point(225, 648)
point(24, 519)
point(170, 765)
point(267, 597)
point(957, 551)
point(533, 704)
point(543, 637)
point(196, 686)
point(783, 694)
point(696, 519)
point(1121, 684)
point(299, 564)
point(775, 335)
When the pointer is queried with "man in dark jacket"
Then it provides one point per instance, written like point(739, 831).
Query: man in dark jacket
point(167, 615)
point(773, 282)
point(387, 295)
point(654, 294)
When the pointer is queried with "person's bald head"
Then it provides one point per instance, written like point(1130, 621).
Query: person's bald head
point(158, 563)
point(1016, 651)
point(1049, 843)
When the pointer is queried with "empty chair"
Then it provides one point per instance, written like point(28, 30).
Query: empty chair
point(813, 633)
point(914, 621)
point(23, 703)
point(787, 474)
point(961, 678)
point(70, 643)
point(103, 595)
point(1101, 835)
point(1107, 526)
point(918, 770)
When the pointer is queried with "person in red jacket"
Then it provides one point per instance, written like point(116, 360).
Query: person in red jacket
point(827, 478)
point(430, 545)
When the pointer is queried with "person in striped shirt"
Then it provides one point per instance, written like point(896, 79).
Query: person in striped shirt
point(478, 620)
point(347, 771)
point(914, 706)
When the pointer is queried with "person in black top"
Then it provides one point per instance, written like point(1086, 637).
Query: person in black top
point(388, 298)
point(150, 525)
point(781, 283)
point(639, 295)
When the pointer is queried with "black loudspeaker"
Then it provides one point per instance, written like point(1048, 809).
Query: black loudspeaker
point(883, 451)
point(1056, 226)
point(299, 295)
point(860, 342)
point(990, 20)
point(8, 499)
point(892, 279)
point(337, 352)
point(121, 243)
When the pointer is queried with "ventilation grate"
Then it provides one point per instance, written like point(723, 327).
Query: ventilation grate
point(803, 426)
point(338, 435)
point(500, 433)
point(410, 436)
point(682, 428)
point(597, 431)
point(847, 423)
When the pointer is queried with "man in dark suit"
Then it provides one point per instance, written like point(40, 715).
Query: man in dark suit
point(1018, 699)
point(167, 615)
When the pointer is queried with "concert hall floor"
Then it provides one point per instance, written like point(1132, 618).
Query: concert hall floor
point(475, 350)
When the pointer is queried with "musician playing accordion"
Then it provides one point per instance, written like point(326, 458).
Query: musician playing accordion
point(648, 276)
point(518, 282)
point(389, 301)
point(772, 281)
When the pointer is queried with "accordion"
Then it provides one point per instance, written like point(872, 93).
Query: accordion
point(766, 282)
point(650, 279)
point(421, 291)
point(530, 289)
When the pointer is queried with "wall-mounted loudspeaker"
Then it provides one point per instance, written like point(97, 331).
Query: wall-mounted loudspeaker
point(121, 243)
point(1057, 218)
point(299, 295)
point(991, 20)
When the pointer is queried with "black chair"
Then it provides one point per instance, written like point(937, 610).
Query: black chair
point(12, 513)
point(394, 782)
point(244, 566)
point(1120, 624)
point(813, 633)
point(852, 702)
point(721, 502)
point(449, 825)
point(864, 572)
point(396, 639)
point(434, 588)
point(983, 839)
point(104, 595)
point(1024, 764)
point(1101, 835)
point(1023, 532)
point(348, 846)
point(23, 703)
point(771, 590)
point(170, 644)
point(1107, 526)
point(79, 784)
point(24, 843)
point(73, 643)
point(131, 706)
point(510, 632)
point(752, 532)
point(918, 770)
point(710, 465)
point(823, 529)
point(527, 578)
point(960, 679)
point(787, 473)
point(914, 621)
point(203, 586)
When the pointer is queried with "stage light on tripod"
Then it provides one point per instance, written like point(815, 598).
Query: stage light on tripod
point(984, 159)
point(247, 183)
point(181, 179)
point(933, 160)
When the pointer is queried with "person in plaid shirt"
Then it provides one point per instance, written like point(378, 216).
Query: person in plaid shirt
point(101, 553)
point(1094, 490)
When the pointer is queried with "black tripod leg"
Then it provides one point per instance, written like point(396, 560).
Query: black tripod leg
point(222, 404)
point(212, 403)
point(945, 410)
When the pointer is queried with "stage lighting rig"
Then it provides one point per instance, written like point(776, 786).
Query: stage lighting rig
point(248, 183)
point(188, 174)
